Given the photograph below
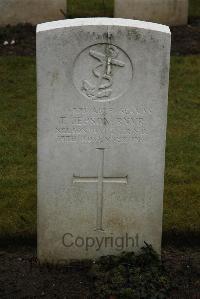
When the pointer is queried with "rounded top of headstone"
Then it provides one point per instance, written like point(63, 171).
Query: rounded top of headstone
point(102, 22)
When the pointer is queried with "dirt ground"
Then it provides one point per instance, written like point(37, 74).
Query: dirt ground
point(22, 276)
point(20, 39)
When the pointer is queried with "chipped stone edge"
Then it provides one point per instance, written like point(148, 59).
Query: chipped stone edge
point(102, 22)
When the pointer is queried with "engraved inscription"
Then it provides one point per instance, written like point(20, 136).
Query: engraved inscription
point(102, 126)
point(102, 72)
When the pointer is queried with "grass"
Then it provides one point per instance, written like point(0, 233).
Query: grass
point(91, 8)
point(18, 147)
point(182, 189)
point(194, 8)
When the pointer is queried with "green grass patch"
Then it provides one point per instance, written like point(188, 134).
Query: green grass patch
point(194, 8)
point(18, 146)
point(182, 189)
point(90, 8)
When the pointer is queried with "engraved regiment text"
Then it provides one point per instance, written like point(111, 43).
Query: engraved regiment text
point(92, 125)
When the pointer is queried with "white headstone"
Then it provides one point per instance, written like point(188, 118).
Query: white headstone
point(102, 114)
point(168, 12)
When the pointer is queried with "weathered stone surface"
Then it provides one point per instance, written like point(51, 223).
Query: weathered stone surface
point(31, 11)
point(169, 12)
point(102, 113)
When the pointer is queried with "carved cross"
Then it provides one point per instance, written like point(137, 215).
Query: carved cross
point(100, 180)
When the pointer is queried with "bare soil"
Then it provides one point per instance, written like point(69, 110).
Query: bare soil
point(22, 276)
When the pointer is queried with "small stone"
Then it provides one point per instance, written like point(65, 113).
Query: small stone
point(5, 43)
point(12, 42)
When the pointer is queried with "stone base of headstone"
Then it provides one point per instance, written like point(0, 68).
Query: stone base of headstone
point(168, 12)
